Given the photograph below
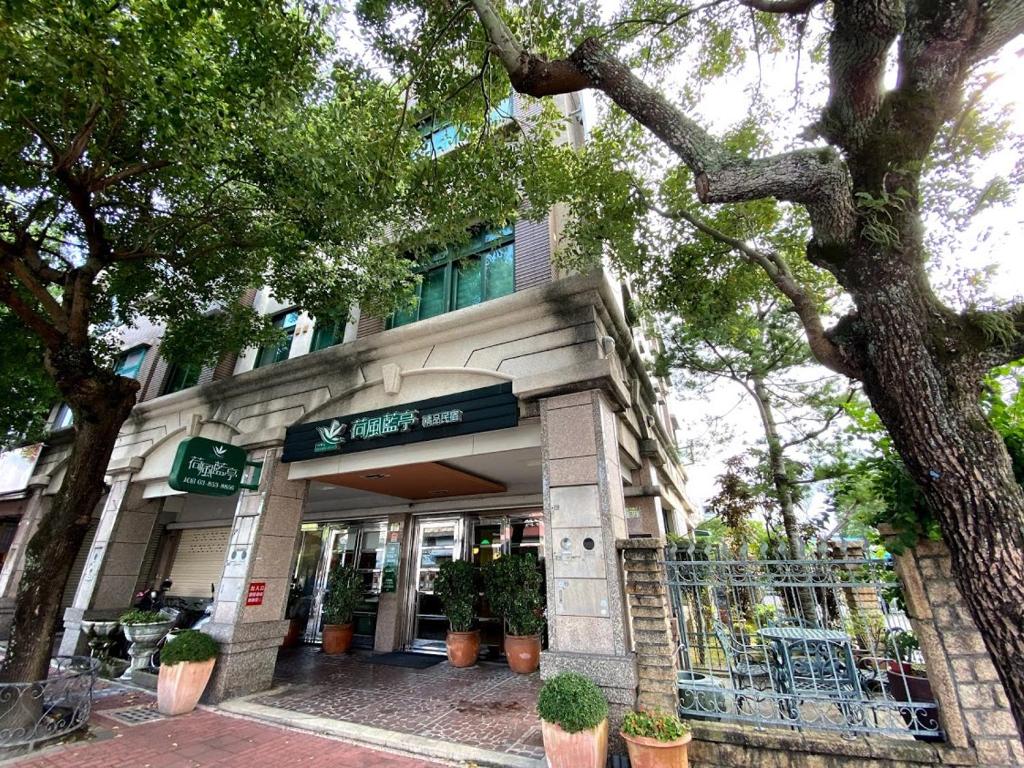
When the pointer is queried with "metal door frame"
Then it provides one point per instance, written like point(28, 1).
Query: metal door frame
point(412, 593)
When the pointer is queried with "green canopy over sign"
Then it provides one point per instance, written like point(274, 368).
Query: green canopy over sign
point(207, 467)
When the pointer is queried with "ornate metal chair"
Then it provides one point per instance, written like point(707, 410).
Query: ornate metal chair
point(747, 668)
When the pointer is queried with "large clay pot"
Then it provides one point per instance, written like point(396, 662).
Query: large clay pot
point(337, 637)
point(651, 753)
point(522, 653)
point(585, 749)
point(906, 686)
point(180, 686)
point(463, 648)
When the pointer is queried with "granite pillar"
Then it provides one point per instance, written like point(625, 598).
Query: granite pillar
point(248, 612)
point(115, 559)
point(391, 606)
point(584, 515)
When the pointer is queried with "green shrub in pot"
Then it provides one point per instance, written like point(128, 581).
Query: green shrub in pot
point(186, 663)
point(188, 645)
point(574, 722)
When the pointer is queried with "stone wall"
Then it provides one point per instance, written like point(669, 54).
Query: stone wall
point(650, 614)
point(973, 707)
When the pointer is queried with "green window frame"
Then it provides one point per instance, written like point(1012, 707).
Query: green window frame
point(279, 350)
point(181, 377)
point(129, 362)
point(458, 278)
point(327, 334)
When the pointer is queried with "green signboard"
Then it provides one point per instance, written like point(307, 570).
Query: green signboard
point(208, 467)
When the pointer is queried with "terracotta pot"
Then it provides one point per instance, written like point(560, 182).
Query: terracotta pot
point(291, 639)
point(585, 749)
point(337, 637)
point(651, 753)
point(179, 686)
point(463, 648)
point(522, 653)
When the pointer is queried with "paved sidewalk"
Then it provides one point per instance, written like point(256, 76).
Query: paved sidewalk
point(199, 739)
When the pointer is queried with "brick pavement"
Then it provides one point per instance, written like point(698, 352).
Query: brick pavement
point(486, 706)
point(200, 739)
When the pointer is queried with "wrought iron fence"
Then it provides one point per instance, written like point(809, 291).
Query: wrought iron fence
point(817, 641)
point(45, 709)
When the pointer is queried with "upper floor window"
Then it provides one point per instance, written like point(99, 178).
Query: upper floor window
point(455, 279)
point(130, 363)
point(439, 138)
point(181, 377)
point(327, 334)
point(279, 350)
point(64, 417)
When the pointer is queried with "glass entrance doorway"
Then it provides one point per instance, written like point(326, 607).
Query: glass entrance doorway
point(358, 545)
point(479, 539)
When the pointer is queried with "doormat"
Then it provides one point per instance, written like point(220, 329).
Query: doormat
point(408, 660)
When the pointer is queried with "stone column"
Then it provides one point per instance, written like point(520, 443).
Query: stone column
point(14, 565)
point(973, 707)
point(584, 515)
point(264, 535)
point(650, 613)
point(392, 605)
point(118, 549)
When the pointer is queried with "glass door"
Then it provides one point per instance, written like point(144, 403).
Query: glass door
point(369, 561)
point(334, 549)
point(437, 541)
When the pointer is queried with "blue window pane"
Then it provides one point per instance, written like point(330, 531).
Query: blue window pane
point(469, 278)
point(432, 293)
point(130, 362)
point(501, 272)
point(503, 110)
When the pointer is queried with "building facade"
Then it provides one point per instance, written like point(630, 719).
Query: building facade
point(512, 410)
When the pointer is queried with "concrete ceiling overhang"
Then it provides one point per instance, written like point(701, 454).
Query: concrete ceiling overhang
point(417, 481)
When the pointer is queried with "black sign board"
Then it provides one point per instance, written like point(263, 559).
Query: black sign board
point(464, 413)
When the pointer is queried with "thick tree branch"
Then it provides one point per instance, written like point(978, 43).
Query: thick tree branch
point(132, 170)
point(1004, 20)
point(863, 32)
point(786, 7)
point(825, 349)
point(50, 336)
point(815, 178)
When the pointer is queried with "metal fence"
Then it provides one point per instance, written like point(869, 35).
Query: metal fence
point(42, 710)
point(818, 641)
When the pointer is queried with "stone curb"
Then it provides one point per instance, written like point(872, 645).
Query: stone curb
point(365, 735)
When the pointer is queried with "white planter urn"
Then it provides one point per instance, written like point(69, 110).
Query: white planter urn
point(144, 639)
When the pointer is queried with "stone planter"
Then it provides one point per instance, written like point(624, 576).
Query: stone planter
point(651, 753)
point(522, 653)
point(180, 686)
point(463, 648)
point(701, 696)
point(144, 639)
point(337, 638)
point(584, 749)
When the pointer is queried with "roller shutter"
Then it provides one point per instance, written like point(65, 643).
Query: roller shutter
point(198, 561)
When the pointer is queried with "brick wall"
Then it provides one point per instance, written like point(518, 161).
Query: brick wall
point(650, 614)
point(972, 702)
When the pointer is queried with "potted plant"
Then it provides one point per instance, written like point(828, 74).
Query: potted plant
point(455, 587)
point(186, 663)
point(144, 630)
point(656, 740)
point(574, 722)
point(345, 591)
point(512, 585)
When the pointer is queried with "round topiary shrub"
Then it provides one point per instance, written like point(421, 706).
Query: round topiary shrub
point(188, 645)
point(572, 702)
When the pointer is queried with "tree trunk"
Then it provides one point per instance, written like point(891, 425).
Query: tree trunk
point(925, 390)
point(52, 550)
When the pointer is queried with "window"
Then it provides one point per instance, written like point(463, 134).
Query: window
point(181, 377)
point(64, 418)
point(455, 279)
point(328, 334)
point(130, 363)
point(440, 138)
point(278, 351)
